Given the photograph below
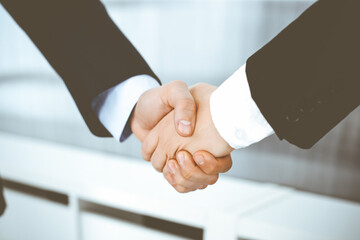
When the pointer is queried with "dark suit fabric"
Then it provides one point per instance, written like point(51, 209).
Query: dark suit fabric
point(83, 45)
point(306, 80)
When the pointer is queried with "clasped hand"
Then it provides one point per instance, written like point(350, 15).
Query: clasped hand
point(178, 135)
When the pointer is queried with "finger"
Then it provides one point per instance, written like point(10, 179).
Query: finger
point(178, 178)
point(177, 95)
point(193, 173)
point(182, 189)
point(149, 145)
point(169, 175)
point(211, 165)
point(158, 159)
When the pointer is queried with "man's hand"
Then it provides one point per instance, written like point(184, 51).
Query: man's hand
point(156, 103)
point(193, 172)
point(162, 143)
point(188, 173)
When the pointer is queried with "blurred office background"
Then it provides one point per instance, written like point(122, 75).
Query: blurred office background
point(194, 41)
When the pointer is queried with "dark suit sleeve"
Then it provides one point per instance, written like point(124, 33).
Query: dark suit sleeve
point(307, 79)
point(83, 45)
point(2, 199)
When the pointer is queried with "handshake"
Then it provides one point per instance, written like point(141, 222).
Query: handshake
point(178, 136)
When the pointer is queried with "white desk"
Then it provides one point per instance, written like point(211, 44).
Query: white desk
point(303, 216)
point(231, 208)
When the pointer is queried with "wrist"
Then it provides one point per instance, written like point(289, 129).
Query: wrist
point(235, 114)
point(205, 131)
point(135, 126)
point(226, 148)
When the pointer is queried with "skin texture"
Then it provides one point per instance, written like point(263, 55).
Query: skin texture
point(156, 103)
point(185, 176)
point(184, 172)
point(162, 144)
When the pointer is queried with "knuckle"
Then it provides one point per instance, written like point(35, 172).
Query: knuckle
point(145, 156)
point(198, 85)
point(212, 168)
point(157, 165)
point(166, 171)
point(188, 104)
point(213, 180)
point(179, 82)
point(176, 84)
point(146, 150)
point(225, 164)
point(181, 189)
point(229, 166)
point(187, 174)
point(181, 181)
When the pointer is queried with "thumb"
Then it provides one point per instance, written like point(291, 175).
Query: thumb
point(178, 96)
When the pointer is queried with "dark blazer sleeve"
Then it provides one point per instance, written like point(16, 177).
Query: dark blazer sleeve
point(2, 199)
point(307, 79)
point(83, 45)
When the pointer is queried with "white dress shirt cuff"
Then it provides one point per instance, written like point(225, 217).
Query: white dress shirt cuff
point(235, 114)
point(115, 105)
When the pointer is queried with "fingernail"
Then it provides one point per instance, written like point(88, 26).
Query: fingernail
point(199, 159)
point(184, 127)
point(172, 168)
point(181, 158)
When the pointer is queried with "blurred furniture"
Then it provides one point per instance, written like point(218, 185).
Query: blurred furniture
point(57, 191)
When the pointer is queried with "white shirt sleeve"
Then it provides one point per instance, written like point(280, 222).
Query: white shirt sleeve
point(115, 105)
point(235, 114)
